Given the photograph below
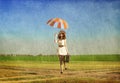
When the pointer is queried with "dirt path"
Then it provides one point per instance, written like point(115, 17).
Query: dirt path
point(14, 74)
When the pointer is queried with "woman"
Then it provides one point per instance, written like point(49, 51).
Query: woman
point(62, 49)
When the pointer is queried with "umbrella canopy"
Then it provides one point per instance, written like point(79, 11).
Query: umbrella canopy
point(58, 23)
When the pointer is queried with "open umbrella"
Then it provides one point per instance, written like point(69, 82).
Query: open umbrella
point(58, 23)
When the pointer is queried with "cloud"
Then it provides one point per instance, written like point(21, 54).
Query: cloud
point(12, 45)
point(98, 46)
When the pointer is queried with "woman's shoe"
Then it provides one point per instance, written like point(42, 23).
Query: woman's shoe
point(61, 72)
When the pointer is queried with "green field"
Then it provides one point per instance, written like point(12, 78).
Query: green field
point(45, 69)
point(55, 58)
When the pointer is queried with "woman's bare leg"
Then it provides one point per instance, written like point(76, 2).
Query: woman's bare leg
point(61, 68)
point(61, 64)
point(65, 65)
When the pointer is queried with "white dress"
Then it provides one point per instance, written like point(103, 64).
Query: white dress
point(62, 50)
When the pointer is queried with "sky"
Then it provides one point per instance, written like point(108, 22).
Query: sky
point(94, 26)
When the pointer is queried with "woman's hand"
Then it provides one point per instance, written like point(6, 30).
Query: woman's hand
point(55, 34)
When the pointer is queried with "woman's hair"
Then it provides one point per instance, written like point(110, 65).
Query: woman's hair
point(62, 37)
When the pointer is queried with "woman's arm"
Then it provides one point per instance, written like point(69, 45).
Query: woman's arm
point(55, 38)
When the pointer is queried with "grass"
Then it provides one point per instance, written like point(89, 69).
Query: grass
point(96, 58)
point(55, 58)
point(48, 72)
point(45, 69)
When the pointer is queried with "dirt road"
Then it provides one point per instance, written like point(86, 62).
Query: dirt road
point(15, 74)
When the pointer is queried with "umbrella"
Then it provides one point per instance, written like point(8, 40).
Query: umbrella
point(58, 23)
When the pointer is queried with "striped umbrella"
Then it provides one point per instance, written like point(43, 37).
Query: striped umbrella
point(58, 22)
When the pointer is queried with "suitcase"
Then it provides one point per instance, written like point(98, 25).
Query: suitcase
point(67, 58)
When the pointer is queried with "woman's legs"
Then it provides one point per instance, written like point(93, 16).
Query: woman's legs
point(65, 65)
point(62, 60)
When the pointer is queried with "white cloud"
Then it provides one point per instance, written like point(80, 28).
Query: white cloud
point(95, 46)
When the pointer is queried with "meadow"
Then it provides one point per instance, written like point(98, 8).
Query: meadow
point(45, 69)
point(51, 58)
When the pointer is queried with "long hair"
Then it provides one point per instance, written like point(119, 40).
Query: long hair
point(62, 37)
